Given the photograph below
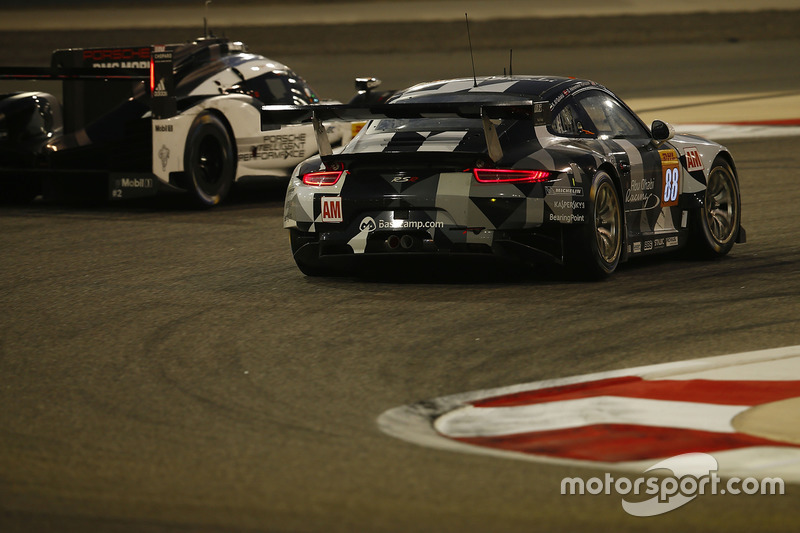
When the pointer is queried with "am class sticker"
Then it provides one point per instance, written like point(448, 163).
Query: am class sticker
point(693, 161)
point(332, 209)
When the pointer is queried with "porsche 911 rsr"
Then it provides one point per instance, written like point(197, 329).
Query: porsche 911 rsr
point(138, 120)
point(542, 169)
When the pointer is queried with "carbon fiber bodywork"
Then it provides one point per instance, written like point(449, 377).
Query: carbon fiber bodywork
point(410, 186)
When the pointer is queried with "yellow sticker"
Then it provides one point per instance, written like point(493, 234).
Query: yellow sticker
point(355, 127)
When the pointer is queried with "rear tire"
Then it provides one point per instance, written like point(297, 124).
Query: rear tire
point(593, 249)
point(209, 161)
point(305, 262)
point(715, 226)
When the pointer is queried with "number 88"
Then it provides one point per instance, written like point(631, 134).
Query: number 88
point(671, 185)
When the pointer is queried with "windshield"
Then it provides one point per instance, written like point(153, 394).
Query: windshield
point(595, 114)
point(278, 87)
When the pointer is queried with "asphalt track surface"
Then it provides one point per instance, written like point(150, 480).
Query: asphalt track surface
point(163, 369)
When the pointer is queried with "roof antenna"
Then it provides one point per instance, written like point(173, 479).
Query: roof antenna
point(471, 56)
point(205, 21)
point(510, 62)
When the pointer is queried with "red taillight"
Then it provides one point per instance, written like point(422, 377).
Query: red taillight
point(322, 178)
point(501, 175)
point(152, 76)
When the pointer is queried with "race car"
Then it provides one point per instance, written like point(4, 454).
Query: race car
point(139, 120)
point(532, 168)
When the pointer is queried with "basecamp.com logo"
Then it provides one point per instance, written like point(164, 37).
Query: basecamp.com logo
point(692, 475)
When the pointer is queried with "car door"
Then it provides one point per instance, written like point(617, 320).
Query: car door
point(649, 173)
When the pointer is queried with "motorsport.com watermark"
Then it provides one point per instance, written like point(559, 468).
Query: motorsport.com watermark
point(693, 474)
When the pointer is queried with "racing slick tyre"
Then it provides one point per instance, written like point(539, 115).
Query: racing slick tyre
point(209, 160)
point(715, 226)
point(593, 250)
point(306, 260)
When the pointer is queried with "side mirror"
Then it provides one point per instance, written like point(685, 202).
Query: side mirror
point(367, 84)
point(365, 95)
point(662, 131)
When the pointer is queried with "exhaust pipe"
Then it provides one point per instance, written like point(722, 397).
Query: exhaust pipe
point(407, 242)
point(392, 242)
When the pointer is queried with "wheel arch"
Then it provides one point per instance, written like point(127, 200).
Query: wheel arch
point(215, 118)
point(702, 243)
point(728, 158)
point(219, 114)
point(608, 168)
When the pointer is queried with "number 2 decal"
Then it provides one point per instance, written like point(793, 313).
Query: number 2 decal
point(670, 177)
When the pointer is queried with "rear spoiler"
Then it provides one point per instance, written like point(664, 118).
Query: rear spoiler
point(122, 64)
point(87, 92)
point(523, 109)
point(66, 73)
point(94, 80)
point(161, 65)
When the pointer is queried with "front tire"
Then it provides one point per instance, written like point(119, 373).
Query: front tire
point(593, 249)
point(209, 160)
point(715, 226)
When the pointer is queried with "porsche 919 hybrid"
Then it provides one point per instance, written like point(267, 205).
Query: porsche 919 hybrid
point(138, 120)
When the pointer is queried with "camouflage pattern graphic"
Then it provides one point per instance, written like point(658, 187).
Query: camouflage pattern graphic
point(417, 178)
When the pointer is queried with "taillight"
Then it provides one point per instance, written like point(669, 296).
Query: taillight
point(152, 76)
point(501, 175)
point(322, 179)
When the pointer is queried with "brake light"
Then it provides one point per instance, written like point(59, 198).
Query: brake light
point(322, 179)
point(501, 175)
point(152, 76)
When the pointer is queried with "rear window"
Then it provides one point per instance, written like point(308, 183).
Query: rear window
point(396, 125)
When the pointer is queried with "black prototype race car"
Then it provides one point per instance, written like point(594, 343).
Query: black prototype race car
point(543, 169)
point(139, 120)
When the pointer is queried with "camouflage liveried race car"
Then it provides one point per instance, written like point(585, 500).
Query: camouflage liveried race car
point(547, 169)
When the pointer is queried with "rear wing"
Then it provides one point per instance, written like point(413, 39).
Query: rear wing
point(61, 74)
point(523, 109)
point(85, 71)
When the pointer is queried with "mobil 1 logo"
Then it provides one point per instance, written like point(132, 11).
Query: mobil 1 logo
point(122, 186)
